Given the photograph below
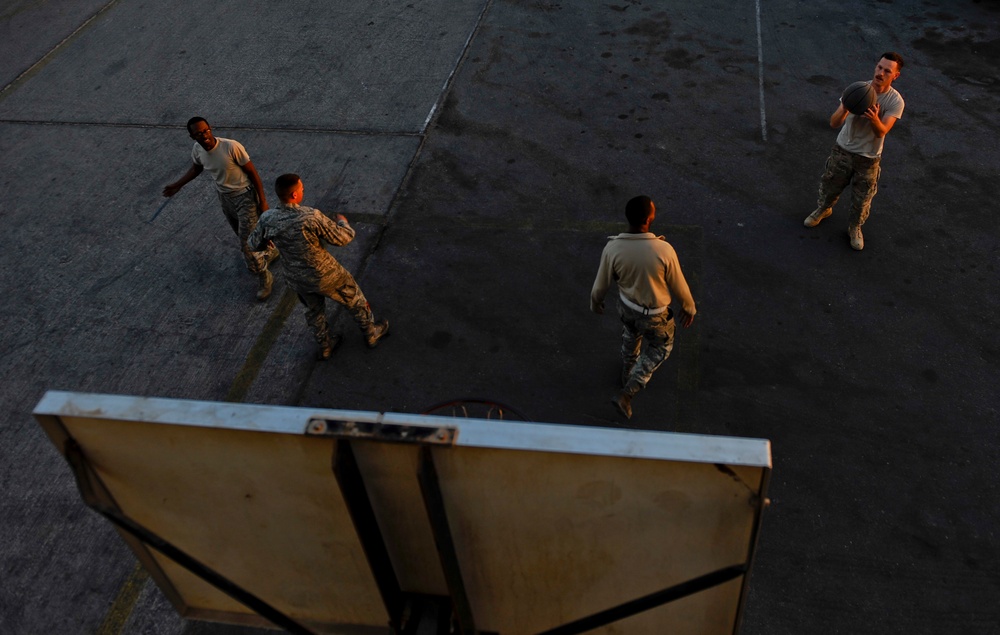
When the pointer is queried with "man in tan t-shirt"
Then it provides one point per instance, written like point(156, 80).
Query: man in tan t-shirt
point(240, 191)
point(648, 274)
point(855, 159)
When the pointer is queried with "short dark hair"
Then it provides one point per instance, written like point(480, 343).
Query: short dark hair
point(638, 209)
point(193, 120)
point(284, 184)
point(894, 57)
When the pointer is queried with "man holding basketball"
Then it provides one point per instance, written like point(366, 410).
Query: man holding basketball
point(856, 156)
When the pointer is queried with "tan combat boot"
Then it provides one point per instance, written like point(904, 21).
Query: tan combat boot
point(379, 330)
point(817, 216)
point(857, 238)
point(266, 281)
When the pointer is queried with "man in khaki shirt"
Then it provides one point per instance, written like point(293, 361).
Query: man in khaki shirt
point(648, 274)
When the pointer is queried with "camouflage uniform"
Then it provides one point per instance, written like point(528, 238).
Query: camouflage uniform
point(299, 233)
point(861, 172)
point(657, 331)
point(241, 210)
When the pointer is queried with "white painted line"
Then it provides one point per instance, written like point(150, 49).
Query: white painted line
point(458, 63)
point(760, 77)
point(45, 59)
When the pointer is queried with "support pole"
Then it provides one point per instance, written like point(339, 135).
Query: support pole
point(352, 487)
point(648, 602)
point(437, 514)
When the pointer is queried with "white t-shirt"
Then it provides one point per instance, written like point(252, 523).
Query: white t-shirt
point(223, 163)
point(857, 136)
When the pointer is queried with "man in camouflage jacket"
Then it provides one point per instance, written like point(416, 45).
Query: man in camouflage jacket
point(299, 233)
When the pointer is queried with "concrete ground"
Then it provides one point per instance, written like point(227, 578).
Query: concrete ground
point(484, 150)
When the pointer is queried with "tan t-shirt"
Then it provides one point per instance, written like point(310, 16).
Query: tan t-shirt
point(857, 136)
point(223, 163)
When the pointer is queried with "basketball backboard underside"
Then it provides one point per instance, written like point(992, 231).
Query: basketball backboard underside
point(344, 521)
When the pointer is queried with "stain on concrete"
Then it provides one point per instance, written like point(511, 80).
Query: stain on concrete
point(657, 27)
point(823, 80)
point(115, 67)
point(965, 60)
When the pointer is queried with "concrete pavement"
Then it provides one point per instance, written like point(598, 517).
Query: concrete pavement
point(484, 150)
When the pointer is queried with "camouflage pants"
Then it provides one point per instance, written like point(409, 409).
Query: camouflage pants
point(646, 341)
point(345, 291)
point(843, 168)
point(242, 212)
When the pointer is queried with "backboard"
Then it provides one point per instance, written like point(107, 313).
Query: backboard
point(336, 521)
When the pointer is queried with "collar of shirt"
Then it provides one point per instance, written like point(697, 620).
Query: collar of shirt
point(645, 236)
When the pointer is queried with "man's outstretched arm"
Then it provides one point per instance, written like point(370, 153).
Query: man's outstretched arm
point(189, 176)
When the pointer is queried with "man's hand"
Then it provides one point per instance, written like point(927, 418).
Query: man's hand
point(838, 116)
point(872, 114)
point(686, 318)
point(189, 176)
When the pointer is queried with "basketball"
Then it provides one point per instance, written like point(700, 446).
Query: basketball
point(858, 97)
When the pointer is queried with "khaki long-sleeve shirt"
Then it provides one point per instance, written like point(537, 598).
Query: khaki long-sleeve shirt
point(646, 269)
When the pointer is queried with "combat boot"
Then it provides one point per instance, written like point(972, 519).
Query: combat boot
point(623, 398)
point(266, 281)
point(379, 330)
point(817, 216)
point(326, 350)
point(857, 238)
point(623, 402)
point(271, 255)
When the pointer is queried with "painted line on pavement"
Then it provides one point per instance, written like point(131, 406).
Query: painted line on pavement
point(220, 126)
point(760, 77)
point(446, 87)
point(258, 352)
point(121, 608)
point(48, 57)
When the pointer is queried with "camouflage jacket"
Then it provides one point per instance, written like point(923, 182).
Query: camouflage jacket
point(299, 233)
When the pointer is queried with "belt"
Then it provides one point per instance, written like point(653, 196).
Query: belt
point(641, 309)
point(238, 193)
point(855, 155)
